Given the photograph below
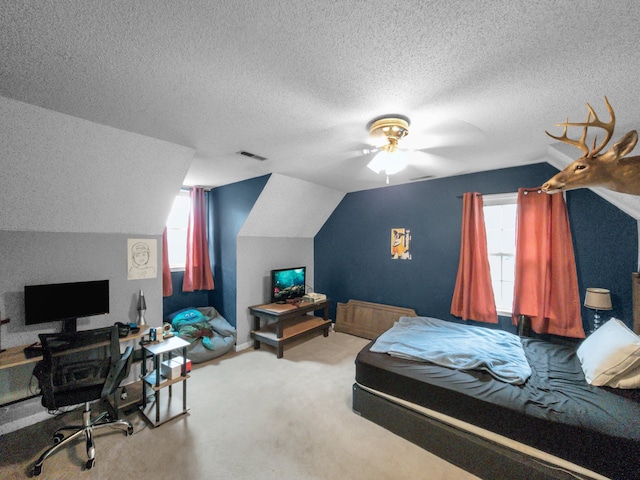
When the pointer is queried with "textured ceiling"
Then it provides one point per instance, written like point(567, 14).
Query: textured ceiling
point(297, 82)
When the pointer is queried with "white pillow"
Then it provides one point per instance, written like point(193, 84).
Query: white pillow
point(629, 379)
point(610, 355)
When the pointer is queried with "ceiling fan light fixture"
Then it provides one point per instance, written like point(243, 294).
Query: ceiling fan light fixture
point(389, 162)
point(388, 128)
point(385, 132)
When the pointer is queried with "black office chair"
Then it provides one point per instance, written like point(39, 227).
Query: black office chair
point(77, 368)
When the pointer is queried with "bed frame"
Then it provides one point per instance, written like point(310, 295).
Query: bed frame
point(477, 454)
point(469, 451)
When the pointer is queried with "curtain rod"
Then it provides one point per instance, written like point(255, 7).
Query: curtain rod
point(526, 190)
point(536, 189)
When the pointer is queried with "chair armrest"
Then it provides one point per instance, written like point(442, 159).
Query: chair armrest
point(45, 383)
point(118, 371)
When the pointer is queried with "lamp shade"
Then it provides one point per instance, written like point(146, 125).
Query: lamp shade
point(390, 162)
point(598, 299)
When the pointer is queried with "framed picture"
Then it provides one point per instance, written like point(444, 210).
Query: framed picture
point(401, 243)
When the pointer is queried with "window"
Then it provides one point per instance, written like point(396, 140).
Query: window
point(500, 224)
point(177, 224)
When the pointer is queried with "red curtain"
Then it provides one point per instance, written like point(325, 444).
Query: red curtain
point(197, 273)
point(167, 287)
point(473, 294)
point(546, 282)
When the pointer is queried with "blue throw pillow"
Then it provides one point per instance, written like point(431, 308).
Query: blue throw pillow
point(185, 317)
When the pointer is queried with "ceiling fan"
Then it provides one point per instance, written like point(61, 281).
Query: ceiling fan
point(387, 131)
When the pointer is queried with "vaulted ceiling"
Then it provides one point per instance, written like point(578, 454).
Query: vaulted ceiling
point(296, 82)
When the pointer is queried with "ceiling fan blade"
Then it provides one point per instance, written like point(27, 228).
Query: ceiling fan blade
point(428, 162)
point(448, 132)
point(417, 157)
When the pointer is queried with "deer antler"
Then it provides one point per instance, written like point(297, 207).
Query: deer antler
point(581, 144)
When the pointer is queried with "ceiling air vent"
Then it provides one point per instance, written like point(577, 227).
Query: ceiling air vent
point(252, 155)
point(424, 177)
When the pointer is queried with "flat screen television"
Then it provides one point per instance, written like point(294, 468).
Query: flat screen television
point(65, 302)
point(287, 284)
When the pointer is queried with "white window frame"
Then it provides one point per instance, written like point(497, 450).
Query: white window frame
point(182, 231)
point(496, 200)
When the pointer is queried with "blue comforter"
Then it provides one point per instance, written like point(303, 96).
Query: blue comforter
point(458, 346)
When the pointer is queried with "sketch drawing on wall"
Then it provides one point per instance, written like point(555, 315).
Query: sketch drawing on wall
point(142, 258)
point(400, 243)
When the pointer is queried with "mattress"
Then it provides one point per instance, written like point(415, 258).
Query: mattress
point(555, 411)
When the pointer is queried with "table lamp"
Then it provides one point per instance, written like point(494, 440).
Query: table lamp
point(597, 299)
point(142, 308)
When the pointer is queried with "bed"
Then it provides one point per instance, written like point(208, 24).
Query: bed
point(549, 423)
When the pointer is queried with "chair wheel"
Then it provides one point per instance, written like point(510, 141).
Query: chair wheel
point(37, 470)
point(90, 464)
point(129, 430)
point(57, 438)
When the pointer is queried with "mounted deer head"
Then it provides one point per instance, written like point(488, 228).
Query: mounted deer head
point(609, 170)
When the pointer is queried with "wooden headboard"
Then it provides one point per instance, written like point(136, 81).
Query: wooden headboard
point(368, 320)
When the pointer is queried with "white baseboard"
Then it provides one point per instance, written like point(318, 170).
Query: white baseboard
point(24, 422)
point(243, 346)
point(22, 414)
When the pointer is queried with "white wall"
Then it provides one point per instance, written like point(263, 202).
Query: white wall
point(32, 258)
point(278, 233)
point(290, 208)
point(64, 174)
point(257, 256)
point(71, 193)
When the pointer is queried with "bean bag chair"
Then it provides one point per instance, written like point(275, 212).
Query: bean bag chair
point(208, 333)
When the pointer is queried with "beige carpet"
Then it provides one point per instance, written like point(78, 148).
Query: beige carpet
point(252, 416)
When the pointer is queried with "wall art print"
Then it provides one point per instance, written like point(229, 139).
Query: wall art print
point(142, 258)
point(401, 243)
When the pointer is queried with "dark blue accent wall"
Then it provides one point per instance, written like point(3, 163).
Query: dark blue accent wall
point(230, 205)
point(352, 250)
point(228, 208)
point(180, 299)
point(605, 243)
